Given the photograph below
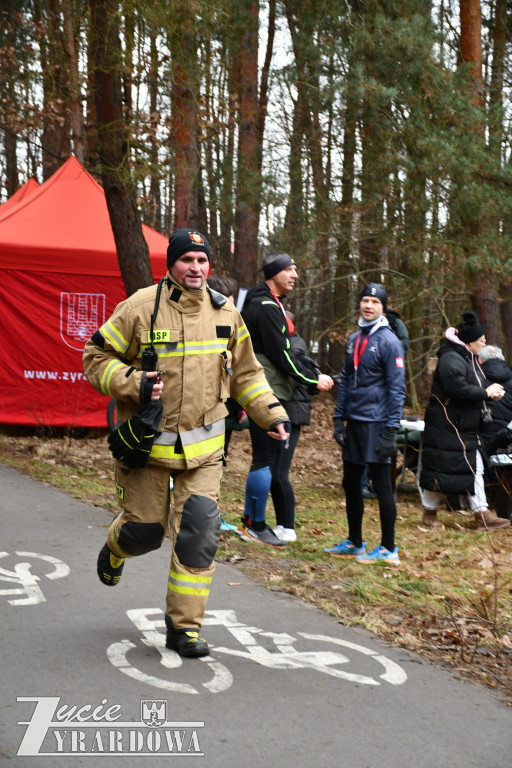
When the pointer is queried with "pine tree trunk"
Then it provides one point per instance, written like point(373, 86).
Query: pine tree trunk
point(75, 99)
point(248, 189)
point(56, 127)
point(308, 89)
point(485, 292)
point(105, 54)
point(226, 181)
point(185, 80)
point(8, 107)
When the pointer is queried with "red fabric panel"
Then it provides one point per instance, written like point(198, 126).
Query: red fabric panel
point(30, 186)
point(59, 281)
point(45, 324)
point(65, 225)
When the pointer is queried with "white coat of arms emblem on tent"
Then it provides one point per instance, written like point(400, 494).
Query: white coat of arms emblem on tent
point(81, 314)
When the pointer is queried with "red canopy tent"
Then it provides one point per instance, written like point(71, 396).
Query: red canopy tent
point(24, 191)
point(59, 281)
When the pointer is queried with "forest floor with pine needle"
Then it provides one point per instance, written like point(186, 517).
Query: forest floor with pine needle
point(449, 600)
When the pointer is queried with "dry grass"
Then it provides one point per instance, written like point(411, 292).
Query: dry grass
point(450, 599)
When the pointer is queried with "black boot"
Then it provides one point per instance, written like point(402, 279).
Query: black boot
point(186, 642)
point(109, 567)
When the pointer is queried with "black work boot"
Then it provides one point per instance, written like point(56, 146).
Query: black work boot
point(186, 642)
point(109, 567)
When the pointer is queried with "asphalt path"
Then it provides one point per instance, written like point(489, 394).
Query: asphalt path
point(86, 678)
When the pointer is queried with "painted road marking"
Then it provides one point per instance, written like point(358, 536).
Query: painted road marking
point(222, 678)
point(26, 581)
point(283, 654)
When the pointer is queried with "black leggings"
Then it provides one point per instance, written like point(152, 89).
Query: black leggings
point(267, 452)
point(381, 478)
point(281, 488)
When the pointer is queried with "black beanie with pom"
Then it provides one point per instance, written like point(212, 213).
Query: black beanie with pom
point(470, 329)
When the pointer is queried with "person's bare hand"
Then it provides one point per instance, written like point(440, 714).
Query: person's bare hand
point(325, 383)
point(495, 391)
point(279, 432)
point(156, 392)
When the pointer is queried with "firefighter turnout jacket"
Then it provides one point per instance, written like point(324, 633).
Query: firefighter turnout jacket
point(204, 355)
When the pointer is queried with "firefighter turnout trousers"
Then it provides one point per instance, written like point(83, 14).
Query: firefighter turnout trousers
point(193, 525)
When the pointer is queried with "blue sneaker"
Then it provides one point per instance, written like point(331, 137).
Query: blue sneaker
point(224, 526)
point(380, 554)
point(346, 549)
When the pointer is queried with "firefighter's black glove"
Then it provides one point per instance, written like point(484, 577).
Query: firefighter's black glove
point(502, 439)
point(131, 442)
point(386, 447)
point(340, 431)
point(146, 388)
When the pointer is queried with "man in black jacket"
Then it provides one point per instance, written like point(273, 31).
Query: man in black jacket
point(271, 330)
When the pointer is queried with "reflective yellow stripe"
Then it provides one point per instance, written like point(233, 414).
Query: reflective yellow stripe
point(191, 577)
point(243, 333)
point(204, 447)
point(191, 436)
point(201, 448)
point(165, 452)
point(183, 349)
point(188, 590)
point(107, 375)
point(261, 387)
point(117, 340)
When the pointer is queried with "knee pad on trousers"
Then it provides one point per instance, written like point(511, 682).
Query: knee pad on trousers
point(198, 537)
point(139, 538)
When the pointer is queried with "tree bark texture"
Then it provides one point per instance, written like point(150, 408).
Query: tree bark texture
point(8, 105)
point(185, 118)
point(471, 43)
point(248, 189)
point(308, 90)
point(485, 292)
point(106, 58)
point(56, 134)
point(75, 98)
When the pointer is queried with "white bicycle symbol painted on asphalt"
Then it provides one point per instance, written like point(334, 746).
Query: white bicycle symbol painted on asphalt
point(25, 582)
point(283, 654)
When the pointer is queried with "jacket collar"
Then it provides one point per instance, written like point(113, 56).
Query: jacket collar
point(186, 300)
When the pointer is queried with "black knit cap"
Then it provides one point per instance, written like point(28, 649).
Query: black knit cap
point(470, 329)
point(276, 263)
point(377, 290)
point(183, 240)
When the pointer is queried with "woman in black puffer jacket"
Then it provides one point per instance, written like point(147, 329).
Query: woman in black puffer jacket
point(451, 462)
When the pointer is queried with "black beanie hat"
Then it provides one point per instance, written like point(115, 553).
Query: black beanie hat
point(377, 290)
point(183, 240)
point(276, 263)
point(470, 329)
